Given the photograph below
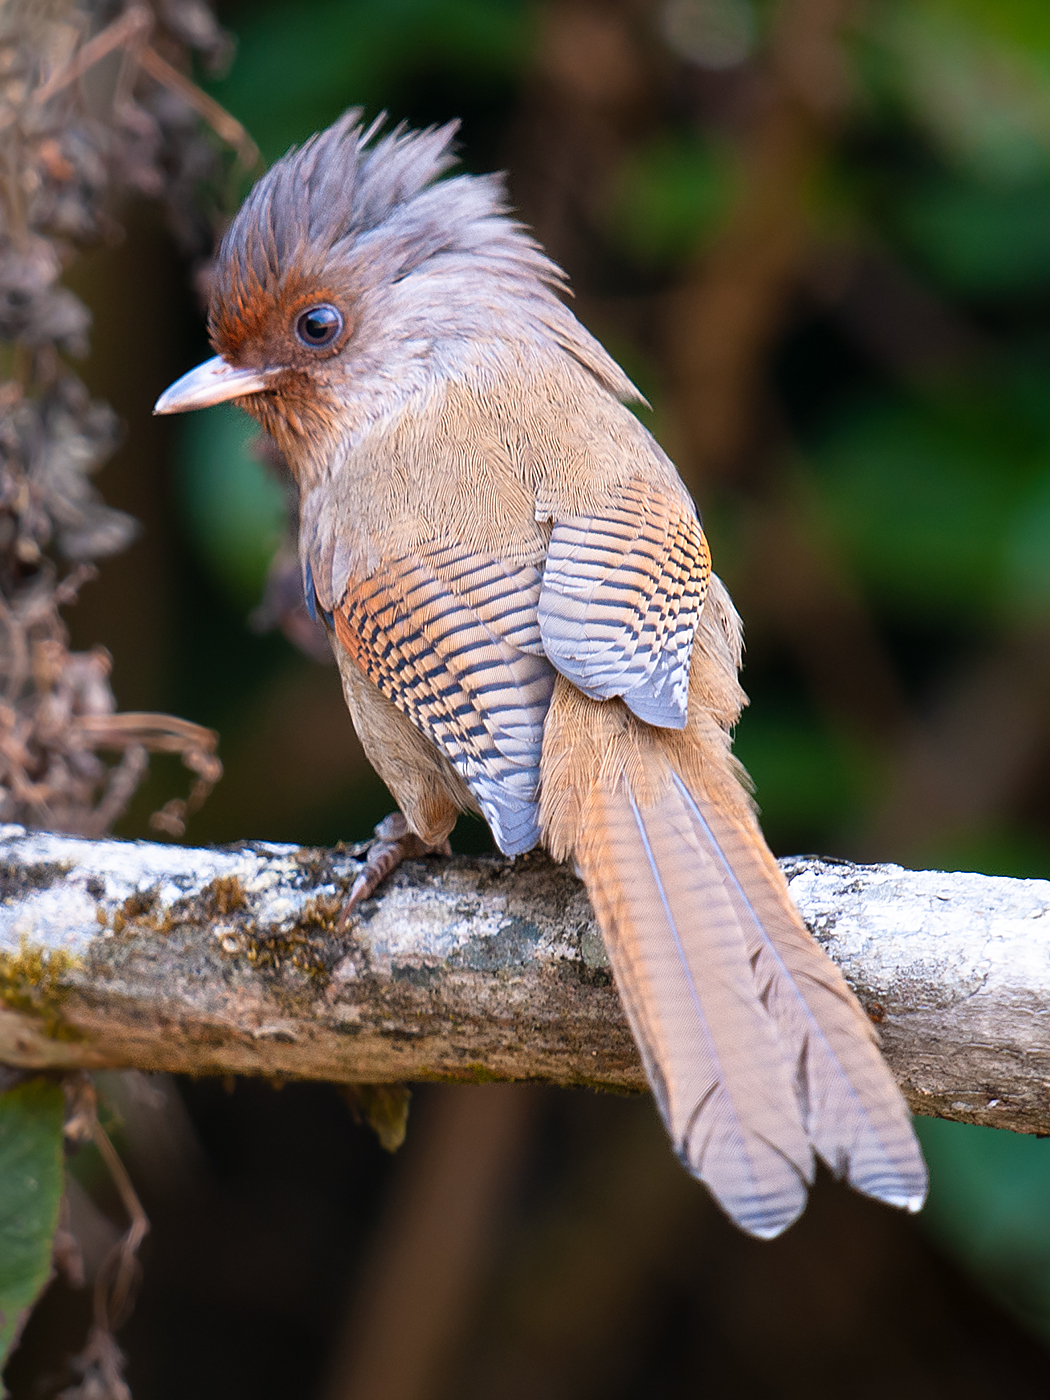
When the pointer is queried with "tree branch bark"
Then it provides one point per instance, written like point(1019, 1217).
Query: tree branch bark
point(226, 961)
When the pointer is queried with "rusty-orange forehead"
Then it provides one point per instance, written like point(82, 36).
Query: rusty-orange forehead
point(251, 318)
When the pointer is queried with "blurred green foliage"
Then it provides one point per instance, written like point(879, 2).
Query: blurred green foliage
point(918, 423)
point(989, 1206)
point(30, 1191)
point(235, 508)
point(811, 774)
point(668, 196)
point(931, 498)
point(298, 66)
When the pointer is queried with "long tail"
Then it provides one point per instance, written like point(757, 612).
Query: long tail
point(757, 1051)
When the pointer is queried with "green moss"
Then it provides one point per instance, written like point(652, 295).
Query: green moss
point(31, 982)
point(384, 1107)
point(306, 949)
point(481, 1074)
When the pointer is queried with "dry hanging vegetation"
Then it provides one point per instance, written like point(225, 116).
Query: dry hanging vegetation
point(94, 107)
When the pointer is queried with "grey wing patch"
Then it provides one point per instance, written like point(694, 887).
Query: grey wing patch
point(621, 599)
point(452, 639)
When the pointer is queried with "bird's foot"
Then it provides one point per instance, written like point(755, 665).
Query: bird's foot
point(392, 843)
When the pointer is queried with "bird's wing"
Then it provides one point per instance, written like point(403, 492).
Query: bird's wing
point(452, 639)
point(621, 598)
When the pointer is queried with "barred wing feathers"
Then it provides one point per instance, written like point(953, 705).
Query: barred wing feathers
point(451, 639)
point(621, 599)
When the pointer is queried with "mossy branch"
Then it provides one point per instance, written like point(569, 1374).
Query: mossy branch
point(226, 961)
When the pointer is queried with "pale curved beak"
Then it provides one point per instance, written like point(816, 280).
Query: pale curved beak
point(213, 382)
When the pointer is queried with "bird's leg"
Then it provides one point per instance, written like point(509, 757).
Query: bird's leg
point(393, 842)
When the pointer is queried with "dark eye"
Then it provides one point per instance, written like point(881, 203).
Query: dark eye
point(319, 326)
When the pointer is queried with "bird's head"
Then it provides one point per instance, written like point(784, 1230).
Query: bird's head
point(352, 278)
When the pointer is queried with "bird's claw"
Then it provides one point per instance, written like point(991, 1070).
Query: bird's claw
point(393, 842)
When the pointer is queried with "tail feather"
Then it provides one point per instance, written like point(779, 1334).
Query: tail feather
point(852, 1109)
point(756, 1049)
point(710, 1049)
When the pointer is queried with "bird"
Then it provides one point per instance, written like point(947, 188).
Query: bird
point(518, 592)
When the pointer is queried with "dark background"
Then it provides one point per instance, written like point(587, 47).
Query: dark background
point(818, 237)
